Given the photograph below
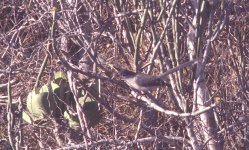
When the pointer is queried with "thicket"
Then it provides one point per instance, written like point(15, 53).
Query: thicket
point(205, 109)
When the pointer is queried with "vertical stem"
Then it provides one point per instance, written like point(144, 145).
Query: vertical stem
point(19, 142)
point(10, 116)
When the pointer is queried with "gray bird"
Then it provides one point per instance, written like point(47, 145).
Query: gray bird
point(140, 81)
point(145, 82)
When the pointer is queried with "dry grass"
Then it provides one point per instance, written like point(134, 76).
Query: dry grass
point(103, 30)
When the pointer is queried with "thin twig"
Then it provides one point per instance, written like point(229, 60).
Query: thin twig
point(126, 144)
point(173, 113)
point(155, 49)
point(10, 116)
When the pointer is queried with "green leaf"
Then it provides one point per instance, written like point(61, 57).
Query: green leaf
point(47, 102)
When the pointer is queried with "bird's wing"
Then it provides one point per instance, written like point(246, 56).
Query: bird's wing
point(148, 81)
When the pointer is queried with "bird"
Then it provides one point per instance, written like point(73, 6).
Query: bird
point(140, 81)
point(144, 82)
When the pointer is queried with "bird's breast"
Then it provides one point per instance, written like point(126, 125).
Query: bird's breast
point(133, 83)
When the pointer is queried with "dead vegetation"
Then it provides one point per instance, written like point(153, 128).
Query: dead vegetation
point(86, 38)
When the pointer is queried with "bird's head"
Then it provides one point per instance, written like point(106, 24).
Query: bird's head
point(126, 73)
